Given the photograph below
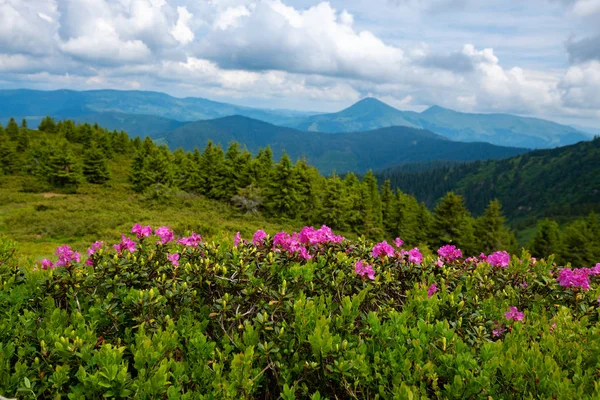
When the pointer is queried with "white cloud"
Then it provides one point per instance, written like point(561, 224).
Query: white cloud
point(230, 17)
point(181, 31)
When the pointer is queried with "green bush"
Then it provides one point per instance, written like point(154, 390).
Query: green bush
point(246, 321)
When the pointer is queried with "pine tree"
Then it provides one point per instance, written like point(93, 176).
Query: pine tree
point(335, 205)
point(61, 169)
point(357, 200)
point(310, 188)
point(47, 125)
point(23, 140)
point(283, 191)
point(23, 123)
point(387, 206)
point(212, 171)
point(95, 165)
point(490, 231)
point(547, 239)
point(231, 171)
point(453, 224)
point(263, 165)
point(12, 130)
point(373, 218)
point(7, 155)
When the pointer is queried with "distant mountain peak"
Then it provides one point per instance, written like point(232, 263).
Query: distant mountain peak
point(370, 104)
point(435, 109)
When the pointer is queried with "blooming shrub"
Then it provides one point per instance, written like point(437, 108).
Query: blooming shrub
point(293, 315)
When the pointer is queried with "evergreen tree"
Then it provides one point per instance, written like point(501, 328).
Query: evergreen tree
point(61, 169)
point(95, 165)
point(578, 245)
point(7, 155)
point(283, 192)
point(373, 218)
point(23, 140)
point(231, 171)
point(310, 187)
point(547, 239)
point(335, 206)
point(387, 206)
point(263, 164)
point(211, 171)
point(47, 125)
point(490, 231)
point(23, 123)
point(453, 224)
point(12, 130)
point(357, 201)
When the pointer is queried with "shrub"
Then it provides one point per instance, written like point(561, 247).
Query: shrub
point(294, 316)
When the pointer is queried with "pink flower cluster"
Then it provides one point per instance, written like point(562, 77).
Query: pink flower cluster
point(415, 256)
point(174, 258)
point(363, 269)
point(514, 314)
point(165, 234)
point(398, 242)
point(577, 277)
point(324, 234)
point(66, 256)
point(432, 289)
point(141, 231)
point(291, 244)
point(499, 259)
point(192, 241)
point(47, 264)
point(126, 244)
point(382, 249)
point(91, 251)
point(449, 253)
point(259, 237)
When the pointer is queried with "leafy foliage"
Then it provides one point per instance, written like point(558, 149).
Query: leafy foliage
point(263, 321)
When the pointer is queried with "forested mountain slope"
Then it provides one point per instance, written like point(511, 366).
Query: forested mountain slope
point(340, 152)
point(562, 182)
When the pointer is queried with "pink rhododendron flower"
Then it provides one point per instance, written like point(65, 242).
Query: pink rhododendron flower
point(553, 327)
point(310, 235)
point(237, 239)
point(514, 314)
point(398, 242)
point(533, 261)
point(47, 264)
point(577, 278)
point(304, 253)
point(499, 259)
point(192, 241)
point(415, 256)
point(482, 257)
point(382, 249)
point(498, 331)
point(432, 289)
point(174, 258)
point(141, 231)
point(439, 262)
point(165, 234)
point(259, 237)
point(449, 252)
point(361, 268)
point(126, 244)
point(66, 256)
point(94, 248)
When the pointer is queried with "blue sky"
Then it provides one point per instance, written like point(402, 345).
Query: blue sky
point(539, 57)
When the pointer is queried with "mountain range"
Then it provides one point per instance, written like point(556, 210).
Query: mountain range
point(143, 113)
point(500, 129)
point(340, 152)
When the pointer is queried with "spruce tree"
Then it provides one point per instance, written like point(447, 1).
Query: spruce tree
point(23, 123)
point(490, 230)
point(453, 224)
point(7, 155)
point(95, 165)
point(231, 171)
point(547, 239)
point(358, 202)
point(23, 140)
point(263, 165)
point(283, 191)
point(47, 125)
point(374, 218)
point(387, 205)
point(12, 130)
point(61, 169)
point(335, 205)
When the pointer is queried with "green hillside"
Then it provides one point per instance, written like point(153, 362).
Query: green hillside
point(499, 129)
point(561, 183)
point(341, 152)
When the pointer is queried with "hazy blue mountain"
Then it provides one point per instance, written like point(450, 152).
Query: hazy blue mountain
point(342, 152)
point(365, 115)
point(500, 129)
point(35, 104)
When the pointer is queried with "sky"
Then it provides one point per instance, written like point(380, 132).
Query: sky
point(536, 57)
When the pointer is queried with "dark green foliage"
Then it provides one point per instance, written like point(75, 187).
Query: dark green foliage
point(95, 165)
point(283, 190)
point(12, 130)
point(453, 224)
point(547, 239)
point(7, 154)
point(490, 230)
point(60, 168)
point(48, 125)
point(23, 140)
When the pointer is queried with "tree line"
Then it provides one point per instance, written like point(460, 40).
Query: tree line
point(65, 154)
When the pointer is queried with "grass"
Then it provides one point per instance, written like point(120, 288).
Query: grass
point(41, 221)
